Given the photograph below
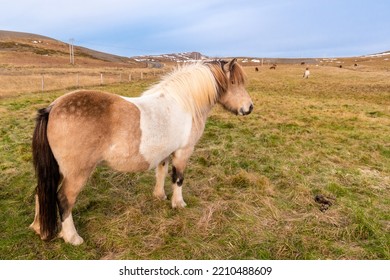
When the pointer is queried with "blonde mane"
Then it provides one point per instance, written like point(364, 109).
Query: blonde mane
point(197, 86)
point(193, 86)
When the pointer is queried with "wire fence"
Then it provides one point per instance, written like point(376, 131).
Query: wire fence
point(18, 83)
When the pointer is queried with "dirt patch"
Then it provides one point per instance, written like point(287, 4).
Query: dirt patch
point(323, 201)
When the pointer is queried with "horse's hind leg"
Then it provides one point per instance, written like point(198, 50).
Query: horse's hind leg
point(70, 188)
point(161, 173)
point(36, 224)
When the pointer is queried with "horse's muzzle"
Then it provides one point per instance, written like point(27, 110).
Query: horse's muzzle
point(246, 111)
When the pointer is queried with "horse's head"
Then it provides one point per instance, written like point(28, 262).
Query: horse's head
point(232, 93)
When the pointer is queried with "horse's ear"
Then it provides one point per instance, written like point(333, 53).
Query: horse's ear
point(229, 66)
point(232, 63)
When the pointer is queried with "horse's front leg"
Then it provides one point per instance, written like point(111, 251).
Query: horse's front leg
point(161, 173)
point(179, 163)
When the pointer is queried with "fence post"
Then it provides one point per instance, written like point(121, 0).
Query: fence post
point(101, 78)
point(43, 83)
point(129, 77)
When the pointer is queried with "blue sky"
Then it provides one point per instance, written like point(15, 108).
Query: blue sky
point(263, 28)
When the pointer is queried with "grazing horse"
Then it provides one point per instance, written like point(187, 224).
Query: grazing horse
point(81, 129)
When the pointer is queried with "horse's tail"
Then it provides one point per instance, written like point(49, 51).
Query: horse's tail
point(48, 176)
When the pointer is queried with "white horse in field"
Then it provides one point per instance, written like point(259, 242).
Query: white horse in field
point(306, 74)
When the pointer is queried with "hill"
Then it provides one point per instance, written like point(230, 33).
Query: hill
point(21, 49)
point(24, 49)
point(36, 63)
point(18, 48)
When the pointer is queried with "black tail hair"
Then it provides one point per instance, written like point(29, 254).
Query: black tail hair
point(48, 176)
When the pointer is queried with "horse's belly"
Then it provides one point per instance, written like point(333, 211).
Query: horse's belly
point(121, 158)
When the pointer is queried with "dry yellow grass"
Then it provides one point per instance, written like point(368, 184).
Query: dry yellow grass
point(250, 185)
point(16, 81)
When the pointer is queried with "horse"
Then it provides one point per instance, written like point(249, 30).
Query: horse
point(85, 128)
point(306, 74)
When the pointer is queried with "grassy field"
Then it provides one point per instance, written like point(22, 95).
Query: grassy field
point(19, 80)
point(305, 176)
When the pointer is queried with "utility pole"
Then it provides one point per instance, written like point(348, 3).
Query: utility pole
point(71, 51)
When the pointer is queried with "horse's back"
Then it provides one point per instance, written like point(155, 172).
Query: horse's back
point(88, 127)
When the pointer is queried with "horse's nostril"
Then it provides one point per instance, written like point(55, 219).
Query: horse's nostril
point(243, 111)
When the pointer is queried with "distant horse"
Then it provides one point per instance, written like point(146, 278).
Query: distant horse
point(256, 69)
point(81, 129)
point(273, 67)
point(306, 74)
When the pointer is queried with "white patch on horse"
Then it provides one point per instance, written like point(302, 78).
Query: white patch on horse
point(165, 126)
point(69, 233)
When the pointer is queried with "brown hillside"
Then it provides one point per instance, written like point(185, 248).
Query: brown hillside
point(26, 49)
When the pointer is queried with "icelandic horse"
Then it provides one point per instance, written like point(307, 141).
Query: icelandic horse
point(82, 129)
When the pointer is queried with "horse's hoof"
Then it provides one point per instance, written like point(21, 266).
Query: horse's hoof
point(35, 227)
point(74, 240)
point(179, 204)
point(160, 196)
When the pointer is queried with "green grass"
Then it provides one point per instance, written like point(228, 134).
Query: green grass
point(250, 184)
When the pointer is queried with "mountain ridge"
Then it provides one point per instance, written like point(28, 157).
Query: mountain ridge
point(40, 45)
